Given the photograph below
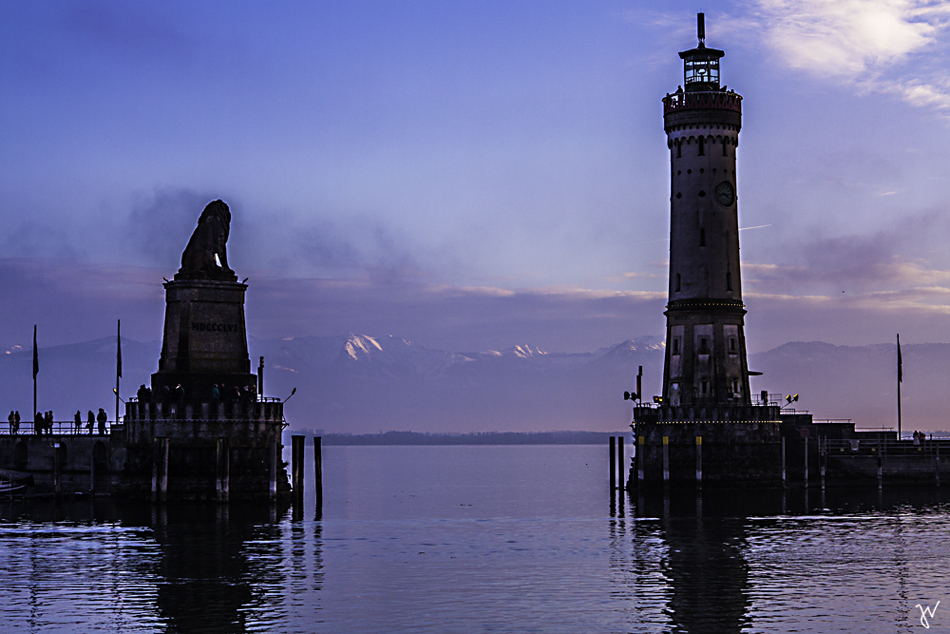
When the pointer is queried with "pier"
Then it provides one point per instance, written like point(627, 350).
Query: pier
point(201, 431)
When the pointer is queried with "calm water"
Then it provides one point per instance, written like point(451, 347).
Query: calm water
point(480, 539)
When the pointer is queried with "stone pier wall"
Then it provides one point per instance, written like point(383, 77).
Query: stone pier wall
point(87, 464)
point(731, 454)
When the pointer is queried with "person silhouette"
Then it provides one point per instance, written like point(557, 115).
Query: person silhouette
point(102, 418)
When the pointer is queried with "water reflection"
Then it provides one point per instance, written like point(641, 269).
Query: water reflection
point(690, 556)
point(701, 559)
point(207, 582)
point(187, 568)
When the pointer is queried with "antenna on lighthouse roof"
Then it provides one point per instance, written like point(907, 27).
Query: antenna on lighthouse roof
point(701, 28)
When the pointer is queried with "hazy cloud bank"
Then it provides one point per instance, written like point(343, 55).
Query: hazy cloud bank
point(73, 302)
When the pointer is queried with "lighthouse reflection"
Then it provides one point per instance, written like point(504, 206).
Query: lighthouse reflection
point(687, 551)
point(741, 560)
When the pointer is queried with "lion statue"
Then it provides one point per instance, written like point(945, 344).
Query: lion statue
point(206, 255)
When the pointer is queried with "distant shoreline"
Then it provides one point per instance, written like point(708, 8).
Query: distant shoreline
point(480, 438)
point(407, 438)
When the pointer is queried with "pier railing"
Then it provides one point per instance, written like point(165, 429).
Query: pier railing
point(68, 428)
point(59, 428)
point(884, 447)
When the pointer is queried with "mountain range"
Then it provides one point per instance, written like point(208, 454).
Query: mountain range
point(356, 383)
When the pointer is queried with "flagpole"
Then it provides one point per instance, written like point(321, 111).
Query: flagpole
point(900, 377)
point(118, 366)
point(36, 369)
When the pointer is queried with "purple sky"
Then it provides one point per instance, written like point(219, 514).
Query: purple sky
point(468, 175)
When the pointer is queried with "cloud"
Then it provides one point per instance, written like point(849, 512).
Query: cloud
point(863, 42)
point(33, 236)
point(894, 47)
point(865, 272)
point(849, 38)
point(317, 244)
point(920, 315)
point(71, 301)
point(159, 224)
point(903, 255)
point(452, 317)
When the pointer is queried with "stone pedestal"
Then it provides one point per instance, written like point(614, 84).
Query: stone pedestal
point(222, 445)
point(204, 343)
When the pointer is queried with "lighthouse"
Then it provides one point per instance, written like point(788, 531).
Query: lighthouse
point(705, 353)
point(705, 426)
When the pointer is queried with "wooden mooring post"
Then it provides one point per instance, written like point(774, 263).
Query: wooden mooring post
point(613, 463)
point(621, 476)
point(318, 470)
point(296, 467)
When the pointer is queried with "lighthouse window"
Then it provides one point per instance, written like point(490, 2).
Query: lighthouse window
point(728, 281)
point(689, 171)
point(677, 282)
point(735, 386)
point(703, 345)
point(676, 346)
point(679, 150)
point(679, 195)
point(704, 387)
point(724, 146)
point(732, 345)
point(702, 171)
point(702, 145)
point(702, 238)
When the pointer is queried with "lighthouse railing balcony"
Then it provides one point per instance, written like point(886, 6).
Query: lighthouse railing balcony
point(709, 413)
point(711, 100)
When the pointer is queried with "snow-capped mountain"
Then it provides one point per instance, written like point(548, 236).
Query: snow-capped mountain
point(358, 383)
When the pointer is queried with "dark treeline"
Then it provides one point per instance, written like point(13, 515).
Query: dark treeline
point(481, 438)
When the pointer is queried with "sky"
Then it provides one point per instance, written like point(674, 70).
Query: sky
point(468, 175)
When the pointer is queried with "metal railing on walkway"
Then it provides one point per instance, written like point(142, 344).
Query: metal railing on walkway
point(884, 447)
point(59, 428)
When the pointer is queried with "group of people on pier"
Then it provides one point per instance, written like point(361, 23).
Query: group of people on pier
point(219, 391)
point(43, 422)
